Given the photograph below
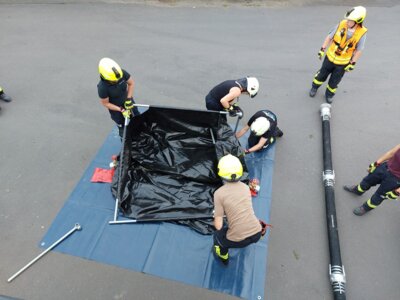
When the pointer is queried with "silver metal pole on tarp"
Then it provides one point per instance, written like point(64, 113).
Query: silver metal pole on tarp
point(121, 162)
point(239, 116)
point(75, 228)
point(336, 270)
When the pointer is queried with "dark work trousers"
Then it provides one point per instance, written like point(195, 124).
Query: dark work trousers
point(388, 182)
point(221, 240)
point(213, 104)
point(336, 72)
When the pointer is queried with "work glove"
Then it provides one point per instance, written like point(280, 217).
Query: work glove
point(321, 53)
point(238, 109)
point(264, 227)
point(232, 111)
point(129, 103)
point(126, 113)
point(372, 167)
point(392, 195)
point(350, 67)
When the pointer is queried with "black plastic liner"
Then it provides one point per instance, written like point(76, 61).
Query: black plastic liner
point(170, 166)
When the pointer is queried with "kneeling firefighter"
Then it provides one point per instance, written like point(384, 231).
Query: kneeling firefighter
point(233, 200)
point(264, 130)
point(386, 172)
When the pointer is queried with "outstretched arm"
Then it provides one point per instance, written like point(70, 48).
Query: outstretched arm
point(388, 155)
point(106, 103)
point(259, 145)
point(242, 131)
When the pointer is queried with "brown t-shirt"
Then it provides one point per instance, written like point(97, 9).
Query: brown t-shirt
point(234, 200)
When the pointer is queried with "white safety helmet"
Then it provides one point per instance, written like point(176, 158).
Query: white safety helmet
point(252, 86)
point(260, 126)
point(356, 14)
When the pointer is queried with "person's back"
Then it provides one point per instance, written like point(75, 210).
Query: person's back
point(219, 91)
point(234, 199)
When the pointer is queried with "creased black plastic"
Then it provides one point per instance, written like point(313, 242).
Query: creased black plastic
point(170, 166)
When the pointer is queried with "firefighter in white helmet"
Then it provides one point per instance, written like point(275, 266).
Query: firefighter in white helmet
point(343, 47)
point(233, 200)
point(115, 90)
point(222, 96)
point(264, 130)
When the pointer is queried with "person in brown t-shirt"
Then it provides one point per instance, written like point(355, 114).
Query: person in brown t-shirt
point(386, 172)
point(233, 200)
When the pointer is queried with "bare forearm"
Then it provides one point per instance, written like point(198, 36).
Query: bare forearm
point(255, 148)
point(356, 56)
point(131, 87)
point(111, 106)
point(242, 131)
point(218, 222)
point(326, 42)
point(226, 101)
point(259, 145)
point(388, 155)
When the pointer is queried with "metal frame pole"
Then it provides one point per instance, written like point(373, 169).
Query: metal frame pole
point(121, 160)
point(76, 227)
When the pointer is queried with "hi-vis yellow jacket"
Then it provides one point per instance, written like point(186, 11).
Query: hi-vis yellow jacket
point(341, 51)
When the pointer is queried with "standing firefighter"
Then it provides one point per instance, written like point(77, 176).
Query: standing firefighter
point(222, 96)
point(115, 90)
point(385, 172)
point(233, 199)
point(345, 44)
point(4, 96)
point(264, 130)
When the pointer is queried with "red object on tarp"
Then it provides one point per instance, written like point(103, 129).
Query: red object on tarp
point(254, 186)
point(103, 175)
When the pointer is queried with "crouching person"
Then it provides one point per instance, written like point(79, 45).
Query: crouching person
point(233, 200)
point(264, 130)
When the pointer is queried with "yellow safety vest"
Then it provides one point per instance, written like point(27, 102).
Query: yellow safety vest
point(341, 51)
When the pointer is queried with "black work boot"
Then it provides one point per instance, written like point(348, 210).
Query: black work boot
point(313, 91)
point(5, 97)
point(360, 211)
point(224, 258)
point(278, 132)
point(353, 189)
point(329, 98)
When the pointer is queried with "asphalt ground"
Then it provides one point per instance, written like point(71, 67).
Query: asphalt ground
point(176, 54)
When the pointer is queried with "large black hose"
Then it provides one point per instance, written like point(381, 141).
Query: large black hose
point(336, 269)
